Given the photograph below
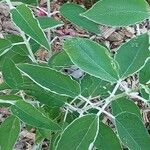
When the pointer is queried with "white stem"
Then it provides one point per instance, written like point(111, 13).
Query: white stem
point(66, 113)
point(26, 42)
point(48, 30)
point(109, 99)
point(10, 4)
point(19, 43)
point(53, 39)
point(135, 95)
point(28, 46)
point(86, 100)
point(138, 29)
point(12, 102)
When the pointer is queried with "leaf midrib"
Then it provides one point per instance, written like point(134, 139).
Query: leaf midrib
point(86, 133)
point(96, 62)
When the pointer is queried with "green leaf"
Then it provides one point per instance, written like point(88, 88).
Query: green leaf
point(21, 49)
point(118, 12)
point(11, 74)
point(79, 134)
point(5, 46)
point(7, 100)
point(15, 57)
point(60, 60)
point(132, 55)
point(92, 86)
point(23, 17)
point(47, 22)
point(132, 131)
point(41, 95)
point(51, 80)
point(32, 116)
point(144, 75)
point(30, 2)
point(125, 105)
point(72, 13)
point(9, 132)
point(107, 139)
point(91, 58)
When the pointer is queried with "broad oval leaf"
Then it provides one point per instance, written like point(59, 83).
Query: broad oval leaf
point(47, 22)
point(5, 46)
point(118, 12)
point(9, 132)
point(91, 58)
point(107, 139)
point(11, 74)
point(124, 105)
point(132, 55)
point(72, 13)
point(79, 134)
point(132, 131)
point(23, 17)
point(32, 116)
point(51, 80)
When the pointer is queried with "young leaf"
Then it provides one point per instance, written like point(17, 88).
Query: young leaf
point(5, 46)
point(51, 80)
point(60, 60)
point(32, 116)
point(132, 132)
point(91, 58)
point(125, 105)
point(118, 12)
point(23, 17)
point(11, 74)
point(47, 22)
point(79, 134)
point(107, 139)
point(9, 132)
point(131, 56)
point(72, 13)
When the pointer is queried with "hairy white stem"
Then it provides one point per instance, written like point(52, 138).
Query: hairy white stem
point(48, 30)
point(138, 29)
point(66, 113)
point(109, 99)
point(136, 96)
point(56, 37)
point(19, 43)
point(21, 94)
point(86, 100)
point(12, 102)
point(10, 4)
point(28, 47)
